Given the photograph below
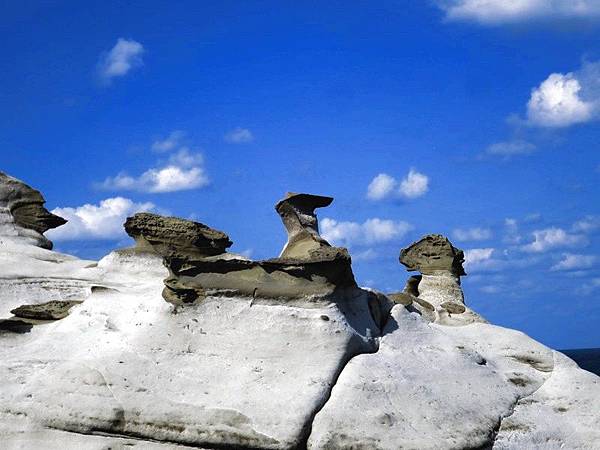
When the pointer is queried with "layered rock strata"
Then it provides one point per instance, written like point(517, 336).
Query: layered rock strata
point(22, 213)
point(200, 266)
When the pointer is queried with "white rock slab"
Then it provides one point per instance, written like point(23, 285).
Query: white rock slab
point(563, 414)
point(430, 386)
point(224, 372)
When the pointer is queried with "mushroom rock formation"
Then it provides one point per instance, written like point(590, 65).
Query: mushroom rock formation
point(433, 254)
point(22, 213)
point(297, 212)
point(199, 265)
point(437, 291)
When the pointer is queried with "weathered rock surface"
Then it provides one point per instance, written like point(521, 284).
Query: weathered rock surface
point(297, 212)
point(199, 265)
point(174, 237)
point(22, 213)
point(432, 254)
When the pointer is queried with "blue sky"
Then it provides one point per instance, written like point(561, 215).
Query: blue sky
point(478, 121)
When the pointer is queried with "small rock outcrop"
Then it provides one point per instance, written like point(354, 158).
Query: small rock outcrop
point(436, 293)
point(22, 212)
point(52, 310)
point(297, 212)
point(199, 264)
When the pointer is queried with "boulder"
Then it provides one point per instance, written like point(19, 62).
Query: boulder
point(175, 237)
point(22, 213)
point(52, 310)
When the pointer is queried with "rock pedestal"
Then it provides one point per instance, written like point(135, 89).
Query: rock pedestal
point(436, 292)
point(297, 212)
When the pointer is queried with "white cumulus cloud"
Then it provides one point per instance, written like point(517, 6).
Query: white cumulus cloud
point(381, 186)
point(493, 12)
point(477, 256)
point(573, 261)
point(102, 221)
point(122, 58)
point(413, 185)
point(239, 136)
point(553, 237)
point(472, 234)
point(184, 171)
point(557, 102)
point(372, 231)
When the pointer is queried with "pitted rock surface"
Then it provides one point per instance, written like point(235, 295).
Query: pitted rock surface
point(432, 254)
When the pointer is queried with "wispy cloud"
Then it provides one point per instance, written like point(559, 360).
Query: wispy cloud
point(509, 149)
point(415, 184)
point(239, 136)
point(550, 238)
point(573, 261)
point(102, 221)
point(125, 56)
point(372, 231)
point(512, 235)
point(588, 224)
point(590, 287)
point(172, 141)
point(472, 234)
point(495, 12)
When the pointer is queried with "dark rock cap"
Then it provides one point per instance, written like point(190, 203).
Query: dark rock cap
point(26, 206)
point(297, 211)
point(432, 254)
point(171, 236)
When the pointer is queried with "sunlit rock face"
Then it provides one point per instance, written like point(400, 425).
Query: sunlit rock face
point(287, 353)
point(22, 213)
